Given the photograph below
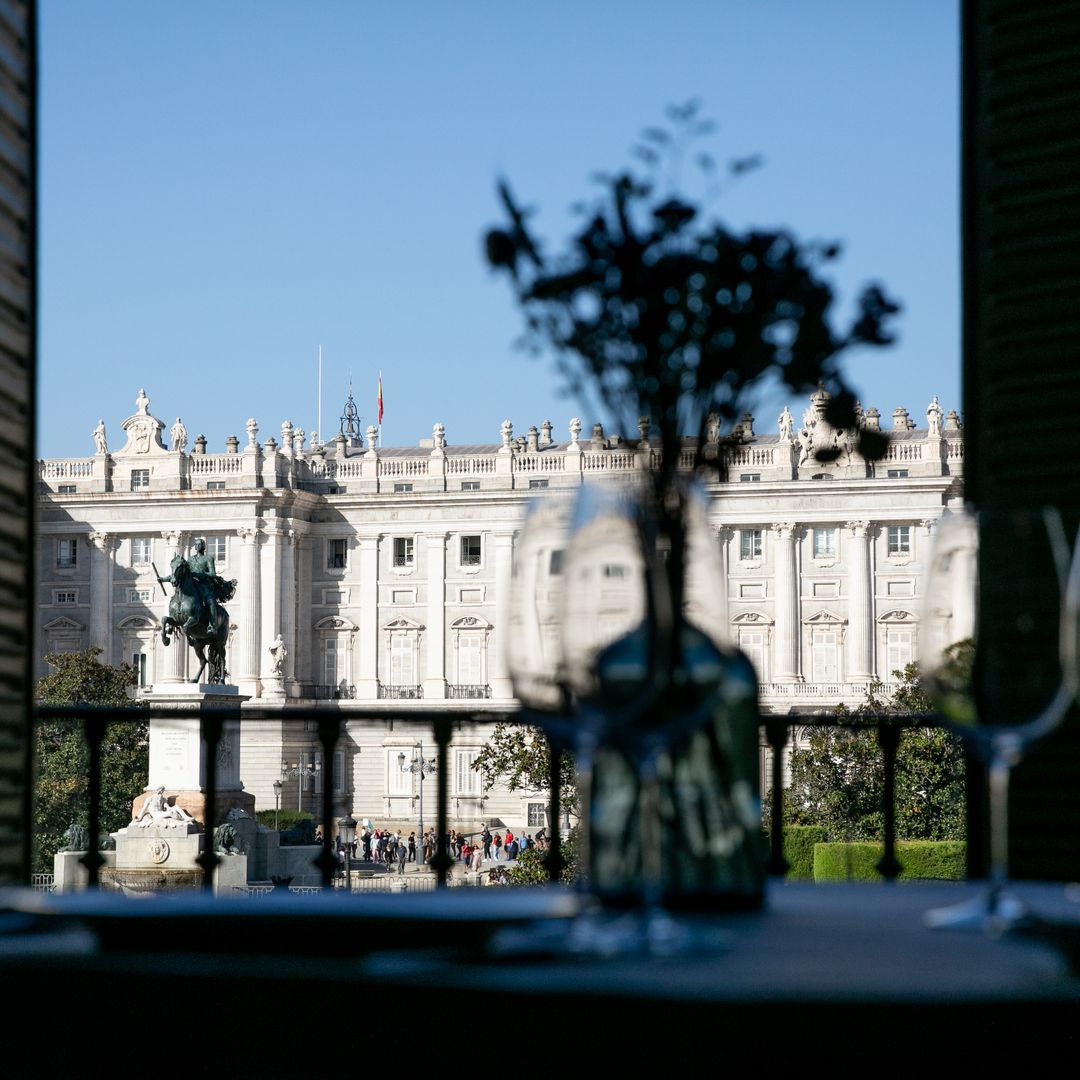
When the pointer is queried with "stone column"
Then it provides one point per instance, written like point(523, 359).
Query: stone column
point(300, 666)
point(860, 589)
point(245, 657)
point(103, 548)
point(723, 539)
point(786, 604)
point(367, 673)
point(501, 686)
point(176, 652)
point(289, 592)
point(435, 675)
point(271, 600)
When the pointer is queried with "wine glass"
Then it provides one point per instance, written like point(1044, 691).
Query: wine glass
point(997, 653)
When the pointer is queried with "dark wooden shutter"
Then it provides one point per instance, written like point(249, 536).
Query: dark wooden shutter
point(1021, 222)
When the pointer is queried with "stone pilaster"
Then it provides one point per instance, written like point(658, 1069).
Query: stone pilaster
point(367, 675)
point(271, 595)
point(786, 604)
point(501, 686)
point(245, 657)
point(176, 652)
point(435, 674)
point(860, 633)
point(102, 566)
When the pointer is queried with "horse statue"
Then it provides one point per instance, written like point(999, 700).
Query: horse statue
point(195, 613)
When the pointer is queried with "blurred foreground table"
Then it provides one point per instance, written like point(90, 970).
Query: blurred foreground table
point(836, 969)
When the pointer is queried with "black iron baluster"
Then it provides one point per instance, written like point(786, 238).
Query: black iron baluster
point(442, 860)
point(329, 730)
point(776, 732)
point(889, 740)
point(211, 722)
point(554, 862)
point(93, 860)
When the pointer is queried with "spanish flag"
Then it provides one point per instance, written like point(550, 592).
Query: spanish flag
point(380, 397)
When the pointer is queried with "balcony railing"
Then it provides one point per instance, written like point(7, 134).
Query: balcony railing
point(464, 691)
point(327, 691)
point(394, 692)
point(329, 722)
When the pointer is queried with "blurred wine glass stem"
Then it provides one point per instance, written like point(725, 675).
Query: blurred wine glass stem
point(1005, 747)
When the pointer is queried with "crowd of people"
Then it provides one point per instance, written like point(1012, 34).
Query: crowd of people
point(394, 850)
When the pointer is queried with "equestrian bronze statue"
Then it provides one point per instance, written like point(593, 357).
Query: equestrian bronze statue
point(195, 610)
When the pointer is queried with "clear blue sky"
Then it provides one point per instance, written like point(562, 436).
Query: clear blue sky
point(225, 186)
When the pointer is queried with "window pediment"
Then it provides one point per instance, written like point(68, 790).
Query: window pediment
point(470, 622)
point(402, 623)
point(824, 618)
point(898, 615)
point(336, 622)
point(63, 623)
point(137, 622)
point(752, 618)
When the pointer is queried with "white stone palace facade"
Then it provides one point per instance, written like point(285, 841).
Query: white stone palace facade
point(386, 572)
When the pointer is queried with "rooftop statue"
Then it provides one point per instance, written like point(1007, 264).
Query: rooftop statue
point(195, 609)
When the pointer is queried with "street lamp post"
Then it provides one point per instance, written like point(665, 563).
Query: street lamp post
point(346, 835)
point(278, 785)
point(419, 767)
point(300, 771)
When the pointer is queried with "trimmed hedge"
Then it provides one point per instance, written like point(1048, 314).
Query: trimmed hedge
point(943, 860)
point(799, 841)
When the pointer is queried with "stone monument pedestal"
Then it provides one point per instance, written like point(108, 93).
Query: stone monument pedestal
point(178, 758)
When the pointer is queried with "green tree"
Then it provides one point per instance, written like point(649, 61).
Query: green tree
point(62, 759)
point(838, 778)
point(518, 755)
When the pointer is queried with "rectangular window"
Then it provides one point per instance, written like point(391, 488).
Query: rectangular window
point(140, 596)
point(399, 781)
point(403, 551)
point(334, 661)
point(750, 478)
point(823, 649)
point(140, 479)
point(468, 779)
point(470, 485)
point(899, 648)
point(402, 660)
point(615, 570)
point(67, 553)
point(824, 543)
point(537, 815)
point(338, 774)
point(556, 564)
point(66, 596)
point(470, 658)
point(66, 489)
point(140, 551)
point(217, 549)
point(752, 642)
point(897, 474)
point(537, 485)
point(138, 662)
point(402, 489)
point(215, 485)
point(470, 551)
point(749, 543)
point(335, 554)
point(899, 539)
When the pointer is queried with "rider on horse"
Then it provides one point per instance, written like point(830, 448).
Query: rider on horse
point(204, 573)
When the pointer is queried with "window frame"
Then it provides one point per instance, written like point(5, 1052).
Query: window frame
point(71, 562)
point(139, 480)
point(751, 544)
point(136, 545)
point(332, 543)
point(407, 559)
point(830, 535)
point(902, 546)
point(469, 562)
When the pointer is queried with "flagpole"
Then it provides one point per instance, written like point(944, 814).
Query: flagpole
point(320, 394)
